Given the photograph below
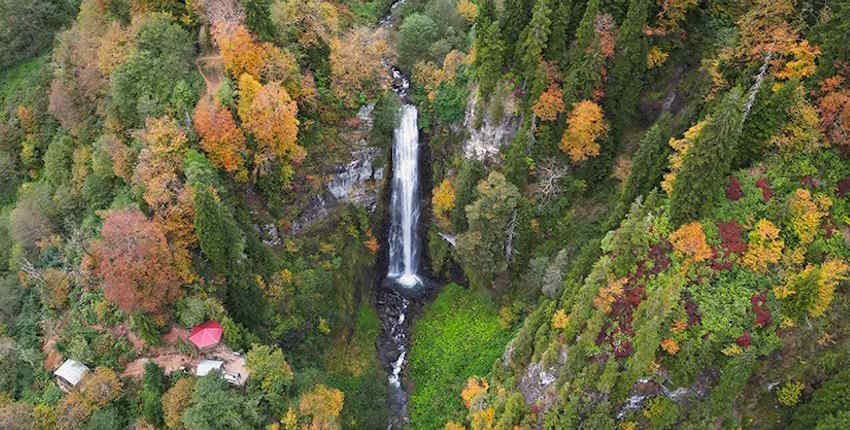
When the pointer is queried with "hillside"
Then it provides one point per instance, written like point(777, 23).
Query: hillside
point(424, 214)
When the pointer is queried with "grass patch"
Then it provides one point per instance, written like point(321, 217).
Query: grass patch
point(353, 367)
point(459, 336)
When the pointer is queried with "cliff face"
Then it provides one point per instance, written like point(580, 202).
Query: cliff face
point(486, 140)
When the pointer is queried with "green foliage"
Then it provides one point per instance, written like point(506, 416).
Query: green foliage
point(789, 393)
point(270, 375)
point(470, 173)
point(533, 41)
point(258, 19)
point(215, 407)
point(629, 65)
point(27, 27)
point(830, 398)
point(138, 91)
point(458, 336)
point(385, 116)
point(662, 412)
point(218, 235)
point(650, 161)
point(416, 34)
point(514, 19)
point(153, 385)
point(708, 162)
point(489, 49)
point(483, 249)
point(768, 114)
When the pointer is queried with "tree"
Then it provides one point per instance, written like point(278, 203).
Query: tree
point(27, 27)
point(585, 125)
point(269, 368)
point(135, 263)
point(550, 104)
point(764, 247)
point(215, 407)
point(834, 108)
point(708, 162)
point(489, 49)
point(356, 63)
point(324, 405)
point(468, 10)
point(240, 52)
point(306, 22)
point(416, 34)
point(271, 118)
point(100, 387)
point(163, 48)
point(485, 249)
point(514, 19)
point(534, 39)
point(257, 18)
point(443, 202)
point(221, 139)
point(218, 234)
point(629, 64)
point(689, 241)
point(175, 401)
point(16, 416)
point(153, 385)
point(650, 160)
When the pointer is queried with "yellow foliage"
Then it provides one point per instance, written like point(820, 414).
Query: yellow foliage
point(680, 149)
point(468, 10)
point(550, 104)
point(451, 425)
point(670, 346)
point(764, 247)
point(655, 57)
point(585, 125)
point(680, 326)
point(290, 420)
point(324, 405)
point(560, 319)
point(731, 350)
point(443, 201)
point(483, 420)
point(689, 241)
point(803, 63)
point(831, 273)
point(474, 389)
point(806, 214)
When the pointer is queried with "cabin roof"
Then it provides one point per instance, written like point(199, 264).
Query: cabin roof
point(72, 371)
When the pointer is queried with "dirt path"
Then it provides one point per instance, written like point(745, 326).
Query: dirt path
point(211, 70)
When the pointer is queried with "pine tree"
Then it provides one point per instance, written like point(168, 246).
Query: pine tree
point(534, 40)
point(650, 161)
point(219, 236)
point(626, 76)
point(515, 18)
point(708, 162)
point(584, 68)
point(556, 49)
point(489, 49)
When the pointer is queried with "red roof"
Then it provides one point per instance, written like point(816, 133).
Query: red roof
point(206, 334)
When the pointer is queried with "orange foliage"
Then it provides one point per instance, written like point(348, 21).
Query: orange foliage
point(584, 126)
point(241, 53)
point(689, 241)
point(764, 247)
point(135, 263)
point(765, 28)
point(473, 390)
point(834, 107)
point(550, 103)
point(468, 10)
point(670, 346)
point(220, 138)
point(356, 62)
point(159, 161)
point(271, 118)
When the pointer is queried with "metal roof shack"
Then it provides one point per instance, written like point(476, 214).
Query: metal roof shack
point(207, 366)
point(70, 373)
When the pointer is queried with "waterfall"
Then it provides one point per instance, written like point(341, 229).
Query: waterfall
point(404, 202)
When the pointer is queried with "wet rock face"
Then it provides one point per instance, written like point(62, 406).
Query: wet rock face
point(357, 180)
point(394, 312)
point(485, 142)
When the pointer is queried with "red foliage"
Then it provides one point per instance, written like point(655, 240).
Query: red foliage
point(136, 264)
point(730, 236)
point(661, 260)
point(623, 350)
point(766, 192)
point(694, 316)
point(744, 341)
point(809, 182)
point(843, 187)
point(733, 189)
point(762, 314)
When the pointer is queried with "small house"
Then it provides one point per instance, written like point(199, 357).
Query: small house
point(69, 374)
point(207, 366)
point(206, 335)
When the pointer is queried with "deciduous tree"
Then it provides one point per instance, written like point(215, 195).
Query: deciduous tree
point(585, 126)
point(221, 139)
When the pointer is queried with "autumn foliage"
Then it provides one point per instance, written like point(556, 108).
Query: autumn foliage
point(135, 263)
point(689, 241)
point(221, 139)
point(765, 246)
point(356, 62)
point(550, 104)
point(585, 125)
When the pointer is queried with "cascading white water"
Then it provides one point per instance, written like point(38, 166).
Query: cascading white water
point(404, 203)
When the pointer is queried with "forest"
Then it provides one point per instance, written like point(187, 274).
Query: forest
point(622, 214)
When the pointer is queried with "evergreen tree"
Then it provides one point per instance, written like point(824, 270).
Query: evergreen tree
point(515, 18)
point(489, 49)
point(218, 235)
point(584, 68)
point(258, 19)
point(708, 162)
point(626, 76)
point(534, 40)
point(584, 34)
point(650, 161)
point(556, 49)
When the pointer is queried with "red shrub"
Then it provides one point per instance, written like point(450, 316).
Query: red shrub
point(762, 314)
point(843, 187)
point(733, 189)
point(809, 182)
point(766, 192)
point(730, 236)
point(744, 341)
